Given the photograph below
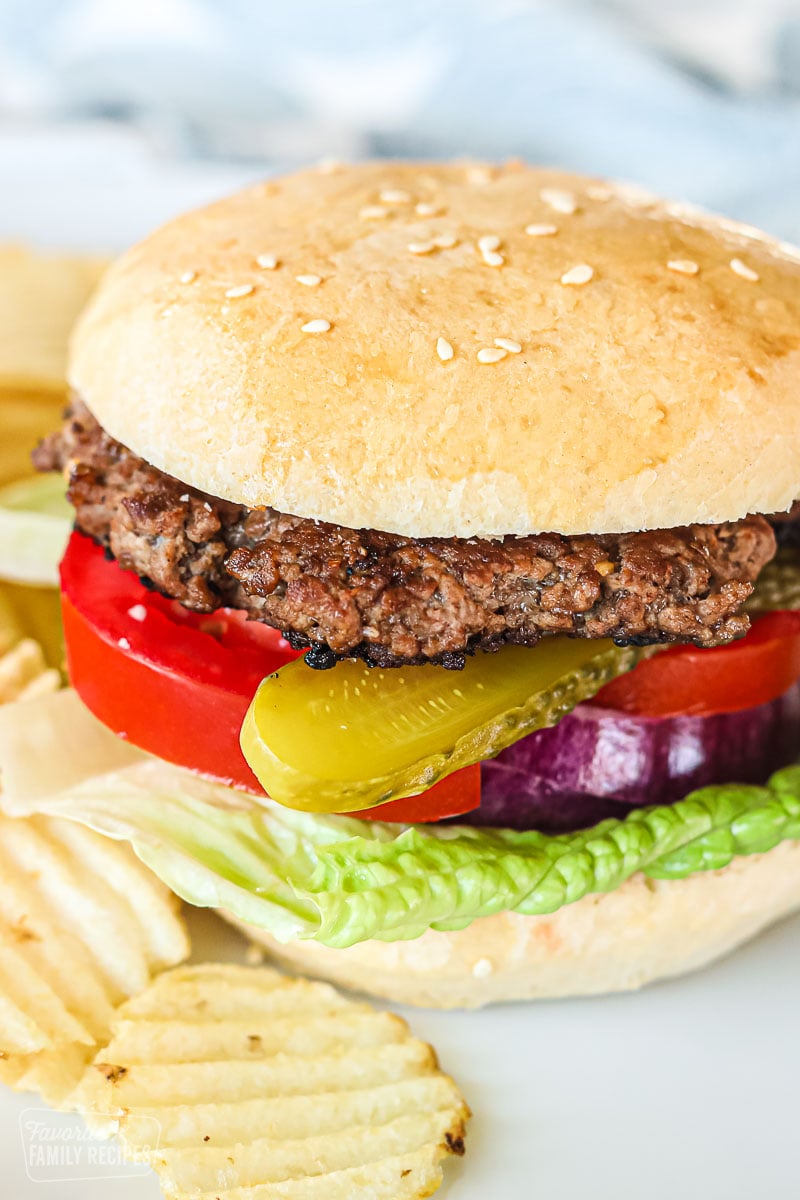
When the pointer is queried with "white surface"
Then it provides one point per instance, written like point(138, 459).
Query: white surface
point(687, 1091)
point(93, 187)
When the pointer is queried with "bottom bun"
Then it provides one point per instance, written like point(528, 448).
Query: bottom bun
point(643, 931)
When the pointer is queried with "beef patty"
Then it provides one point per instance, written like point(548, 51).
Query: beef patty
point(392, 599)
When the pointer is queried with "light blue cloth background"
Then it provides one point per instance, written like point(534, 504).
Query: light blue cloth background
point(699, 100)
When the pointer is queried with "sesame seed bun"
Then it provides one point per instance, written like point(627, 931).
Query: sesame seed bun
point(644, 931)
point(342, 344)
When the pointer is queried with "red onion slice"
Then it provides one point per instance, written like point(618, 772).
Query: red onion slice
point(599, 763)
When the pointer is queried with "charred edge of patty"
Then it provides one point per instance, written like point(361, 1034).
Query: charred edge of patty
point(320, 657)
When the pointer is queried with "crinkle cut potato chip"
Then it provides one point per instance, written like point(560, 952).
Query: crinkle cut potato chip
point(271, 1088)
point(83, 925)
point(11, 630)
point(24, 673)
point(40, 296)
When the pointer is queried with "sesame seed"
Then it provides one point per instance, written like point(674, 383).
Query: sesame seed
point(188, 277)
point(488, 243)
point(541, 230)
point(123, 643)
point(421, 247)
point(508, 344)
point(309, 280)
point(424, 209)
point(329, 165)
point(137, 612)
point(394, 196)
point(479, 175)
point(483, 968)
point(445, 241)
point(184, 498)
point(373, 212)
point(633, 194)
point(242, 289)
point(684, 266)
point(743, 271)
point(491, 354)
point(444, 349)
point(487, 246)
point(559, 200)
point(268, 261)
point(599, 191)
point(576, 276)
point(318, 325)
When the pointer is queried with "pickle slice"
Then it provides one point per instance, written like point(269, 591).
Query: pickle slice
point(357, 736)
point(778, 585)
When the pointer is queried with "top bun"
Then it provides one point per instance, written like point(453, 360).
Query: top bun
point(323, 344)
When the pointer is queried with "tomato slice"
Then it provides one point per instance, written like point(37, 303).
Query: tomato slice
point(172, 682)
point(687, 681)
point(457, 794)
point(178, 684)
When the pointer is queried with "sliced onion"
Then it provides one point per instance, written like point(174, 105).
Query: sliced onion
point(599, 763)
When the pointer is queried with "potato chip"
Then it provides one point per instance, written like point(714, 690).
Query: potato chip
point(25, 418)
point(32, 612)
point(10, 627)
point(40, 297)
point(266, 1086)
point(24, 673)
point(83, 925)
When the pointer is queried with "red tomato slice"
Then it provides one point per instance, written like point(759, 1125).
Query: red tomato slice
point(457, 794)
point(178, 683)
point(687, 681)
point(172, 682)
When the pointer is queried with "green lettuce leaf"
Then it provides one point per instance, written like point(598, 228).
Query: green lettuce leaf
point(342, 880)
point(35, 520)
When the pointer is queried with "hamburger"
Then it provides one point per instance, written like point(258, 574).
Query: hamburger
point(434, 559)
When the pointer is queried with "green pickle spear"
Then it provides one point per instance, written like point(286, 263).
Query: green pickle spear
point(778, 585)
point(357, 736)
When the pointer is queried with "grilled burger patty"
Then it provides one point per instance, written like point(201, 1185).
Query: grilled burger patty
point(393, 599)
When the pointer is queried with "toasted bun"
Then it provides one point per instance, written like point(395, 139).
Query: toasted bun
point(646, 397)
point(643, 931)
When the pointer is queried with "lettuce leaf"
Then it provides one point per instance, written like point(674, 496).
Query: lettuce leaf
point(342, 880)
point(35, 520)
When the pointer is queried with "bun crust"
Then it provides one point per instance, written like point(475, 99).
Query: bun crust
point(650, 396)
point(644, 931)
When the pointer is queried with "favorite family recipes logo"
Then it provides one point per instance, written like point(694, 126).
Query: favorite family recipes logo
point(59, 1148)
